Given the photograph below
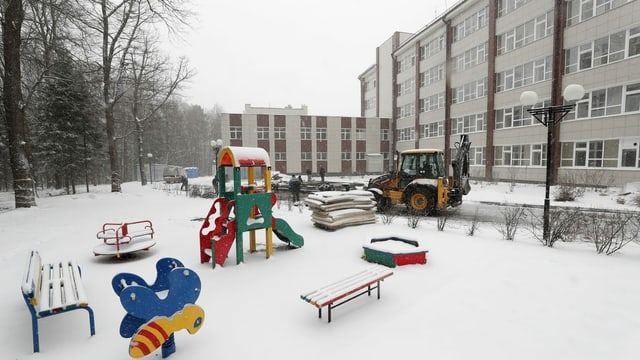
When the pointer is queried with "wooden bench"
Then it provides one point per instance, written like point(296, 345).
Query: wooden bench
point(125, 237)
point(53, 288)
point(347, 289)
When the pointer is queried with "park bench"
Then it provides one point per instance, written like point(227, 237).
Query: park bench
point(125, 237)
point(52, 288)
point(347, 289)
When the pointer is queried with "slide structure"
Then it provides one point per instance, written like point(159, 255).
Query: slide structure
point(284, 232)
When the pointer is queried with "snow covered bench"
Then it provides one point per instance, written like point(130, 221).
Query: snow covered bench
point(50, 289)
point(126, 237)
point(347, 289)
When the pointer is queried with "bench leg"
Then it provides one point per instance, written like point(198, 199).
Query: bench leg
point(319, 313)
point(34, 329)
point(329, 316)
point(92, 324)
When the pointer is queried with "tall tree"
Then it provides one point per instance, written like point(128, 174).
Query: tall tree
point(153, 83)
point(14, 106)
point(68, 135)
point(119, 24)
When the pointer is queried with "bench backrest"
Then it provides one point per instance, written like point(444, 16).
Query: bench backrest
point(32, 277)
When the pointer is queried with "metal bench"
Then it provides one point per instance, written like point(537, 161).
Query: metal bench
point(51, 289)
point(347, 289)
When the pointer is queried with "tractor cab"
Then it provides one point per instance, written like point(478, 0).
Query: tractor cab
point(420, 164)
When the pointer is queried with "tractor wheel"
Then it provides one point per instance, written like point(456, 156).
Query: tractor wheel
point(422, 201)
point(383, 203)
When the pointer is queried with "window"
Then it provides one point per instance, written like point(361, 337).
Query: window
point(599, 153)
point(469, 91)
point(262, 133)
point(280, 156)
point(470, 25)
point(525, 74)
point(321, 134)
point(345, 133)
point(406, 134)
point(279, 133)
point(539, 154)
point(634, 42)
point(606, 101)
point(361, 156)
point(361, 134)
point(321, 155)
point(305, 133)
point(470, 58)
point(305, 155)
point(632, 99)
point(477, 156)
point(525, 33)
point(432, 47)
point(235, 133)
point(345, 155)
point(581, 10)
point(434, 129)
point(384, 134)
point(507, 6)
point(406, 87)
point(468, 124)
point(433, 102)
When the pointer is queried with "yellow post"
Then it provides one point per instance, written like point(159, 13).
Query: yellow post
point(268, 230)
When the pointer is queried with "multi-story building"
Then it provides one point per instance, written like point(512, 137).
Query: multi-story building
point(464, 72)
point(297, 142)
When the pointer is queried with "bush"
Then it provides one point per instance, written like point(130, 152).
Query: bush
point(564, 225)
point(512, 217)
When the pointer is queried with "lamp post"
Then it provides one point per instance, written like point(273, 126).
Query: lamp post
point(547, 116)
point(150, 157)
point(216, 145)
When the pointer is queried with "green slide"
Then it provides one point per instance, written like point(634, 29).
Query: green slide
point(285, 233)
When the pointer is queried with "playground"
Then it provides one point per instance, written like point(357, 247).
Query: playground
point(476, 297)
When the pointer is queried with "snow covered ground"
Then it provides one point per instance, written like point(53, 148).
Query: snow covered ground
point(477, 297)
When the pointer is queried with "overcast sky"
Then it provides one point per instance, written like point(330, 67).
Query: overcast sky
point(291, 52)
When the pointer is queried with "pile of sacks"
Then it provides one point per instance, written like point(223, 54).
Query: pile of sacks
point(332, 210)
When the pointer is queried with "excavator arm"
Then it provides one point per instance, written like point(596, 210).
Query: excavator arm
point(460, 164)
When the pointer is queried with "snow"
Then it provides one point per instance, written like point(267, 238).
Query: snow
point(478, 297)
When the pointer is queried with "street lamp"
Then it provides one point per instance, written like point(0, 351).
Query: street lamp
point(547, 117)
point(216, 145)
point(150, 157)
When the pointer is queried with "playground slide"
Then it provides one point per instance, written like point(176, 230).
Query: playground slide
point(284, 232)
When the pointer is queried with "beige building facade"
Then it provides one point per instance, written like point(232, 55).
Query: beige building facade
point(464, 72)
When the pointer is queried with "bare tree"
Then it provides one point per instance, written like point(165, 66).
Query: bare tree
point(118, 24)
point(14, 106)
point(152, 85)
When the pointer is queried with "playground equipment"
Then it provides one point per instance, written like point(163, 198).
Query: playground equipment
point(156, 311)
point(395, 251)
point(243, 208)
point(125, 237)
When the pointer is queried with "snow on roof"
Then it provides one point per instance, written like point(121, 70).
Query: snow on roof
point(238, 156)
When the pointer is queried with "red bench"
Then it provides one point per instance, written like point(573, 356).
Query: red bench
point(347, 289)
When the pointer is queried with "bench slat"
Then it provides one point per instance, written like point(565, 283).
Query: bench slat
point(347, 286)
point(80, 294)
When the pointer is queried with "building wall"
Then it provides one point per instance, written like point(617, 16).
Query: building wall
point(296, 143)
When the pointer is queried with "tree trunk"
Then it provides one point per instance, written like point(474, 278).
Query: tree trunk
point(14, 105)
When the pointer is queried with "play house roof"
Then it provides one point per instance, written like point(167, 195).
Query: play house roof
point(238, 156)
